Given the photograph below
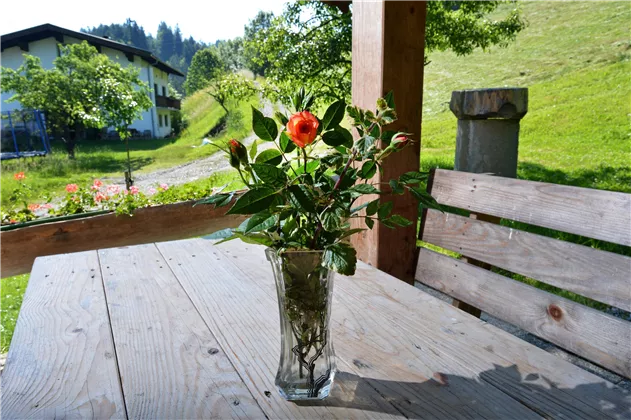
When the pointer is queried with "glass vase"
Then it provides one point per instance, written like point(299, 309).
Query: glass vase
point(307, 363)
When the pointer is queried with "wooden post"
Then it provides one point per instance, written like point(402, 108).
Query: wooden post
point(487, 142)
point(388, 54)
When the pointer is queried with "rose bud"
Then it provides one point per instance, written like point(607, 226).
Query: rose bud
point(400, 141)
point(302, 128)
point(238, 150)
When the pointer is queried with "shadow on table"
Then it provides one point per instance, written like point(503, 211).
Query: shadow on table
point(448, 396)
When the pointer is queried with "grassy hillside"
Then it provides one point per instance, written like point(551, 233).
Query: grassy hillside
point(103, 159)
point(575, 59)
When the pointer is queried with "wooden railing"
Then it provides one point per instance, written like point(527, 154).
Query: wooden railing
point(167, 102)
point(21, 246)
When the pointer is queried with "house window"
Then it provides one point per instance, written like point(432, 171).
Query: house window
point(166, 120)
point(155, 88)
point(160, 120)
point(164, 91)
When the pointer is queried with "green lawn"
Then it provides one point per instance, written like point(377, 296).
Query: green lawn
point(576, 131)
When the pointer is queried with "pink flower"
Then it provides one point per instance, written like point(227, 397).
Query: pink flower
point(152, 191)
point(33, 207)
point(46, 206)
point(134, 190)
point(19, 176)
point(97, 183)
point(13, 221)
point(164, 187)
point(72, 188)
point(100, 197)
point(113, 189)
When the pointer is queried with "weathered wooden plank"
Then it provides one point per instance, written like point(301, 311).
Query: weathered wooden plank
point(597, 214)
point(599, 337)
point(600, 275)
point(62, 361)
point(21, 246)
point(245, 321)
point(438, 331)
point(388, 54)
point(171, 364)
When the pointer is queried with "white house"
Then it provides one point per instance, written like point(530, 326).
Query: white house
point(42, 41)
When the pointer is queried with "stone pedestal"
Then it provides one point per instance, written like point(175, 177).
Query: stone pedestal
point(487, 142)
point(488, 129)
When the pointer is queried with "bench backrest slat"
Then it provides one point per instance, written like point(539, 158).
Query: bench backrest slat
point(587, 332)
point(589, 272)
point(592, 273)
point(597, 214)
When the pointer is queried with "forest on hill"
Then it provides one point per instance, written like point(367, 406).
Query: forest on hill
point(169, 45)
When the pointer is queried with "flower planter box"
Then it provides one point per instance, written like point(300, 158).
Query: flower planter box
point(21, 245)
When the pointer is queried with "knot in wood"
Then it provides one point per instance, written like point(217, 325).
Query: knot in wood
point(555, 312)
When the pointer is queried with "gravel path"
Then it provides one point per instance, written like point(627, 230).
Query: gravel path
point(194, 170)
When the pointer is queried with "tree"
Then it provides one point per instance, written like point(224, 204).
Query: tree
point(230, 53)
point(178, 45)
point(206, 65)
point(230, 87)
point(165, 41)
point(309, 44)
point(252, 57)
point(84, 89)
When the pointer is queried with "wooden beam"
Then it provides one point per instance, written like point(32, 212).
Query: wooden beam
point(23, 46)
point(21, 246)
point(130, 57)
point(388, 54)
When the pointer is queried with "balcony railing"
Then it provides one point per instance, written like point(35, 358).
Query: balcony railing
point(166, 102)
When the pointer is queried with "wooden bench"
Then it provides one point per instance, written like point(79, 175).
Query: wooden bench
point(595, 274)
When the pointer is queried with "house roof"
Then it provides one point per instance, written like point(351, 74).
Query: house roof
point(23, 37)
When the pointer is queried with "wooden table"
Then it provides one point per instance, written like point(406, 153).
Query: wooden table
point(187, 329)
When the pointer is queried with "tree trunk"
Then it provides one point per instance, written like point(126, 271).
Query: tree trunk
point(70, 140)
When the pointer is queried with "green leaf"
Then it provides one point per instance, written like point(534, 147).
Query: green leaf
point(220, 234)
point(400, 220)
point(282, 119)
point(364, 189)
point(384, 210)
point(349, 233)
point(338, 137)
point(388, 223)
point(269, 156)
point(263, 126)
point(333, 115)
point(270, 174)
point(286, 145)
point(332, 219)
point(413, 177)
point(386, 136)
point(425, 199)
point(253, 201)
point(312, 165)
point(397, 188)
point(254, 149)
point(340, 257)
point(372, 207)
point(254, 238)
point(390, 99)
point(369, 222)
point(300, 200)
point(369, 169)
point(217, 199)
point(260, 221)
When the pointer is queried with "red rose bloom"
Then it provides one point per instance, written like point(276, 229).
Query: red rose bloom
point(302, 128)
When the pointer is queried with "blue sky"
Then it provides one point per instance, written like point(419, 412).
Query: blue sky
point(206, 21)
